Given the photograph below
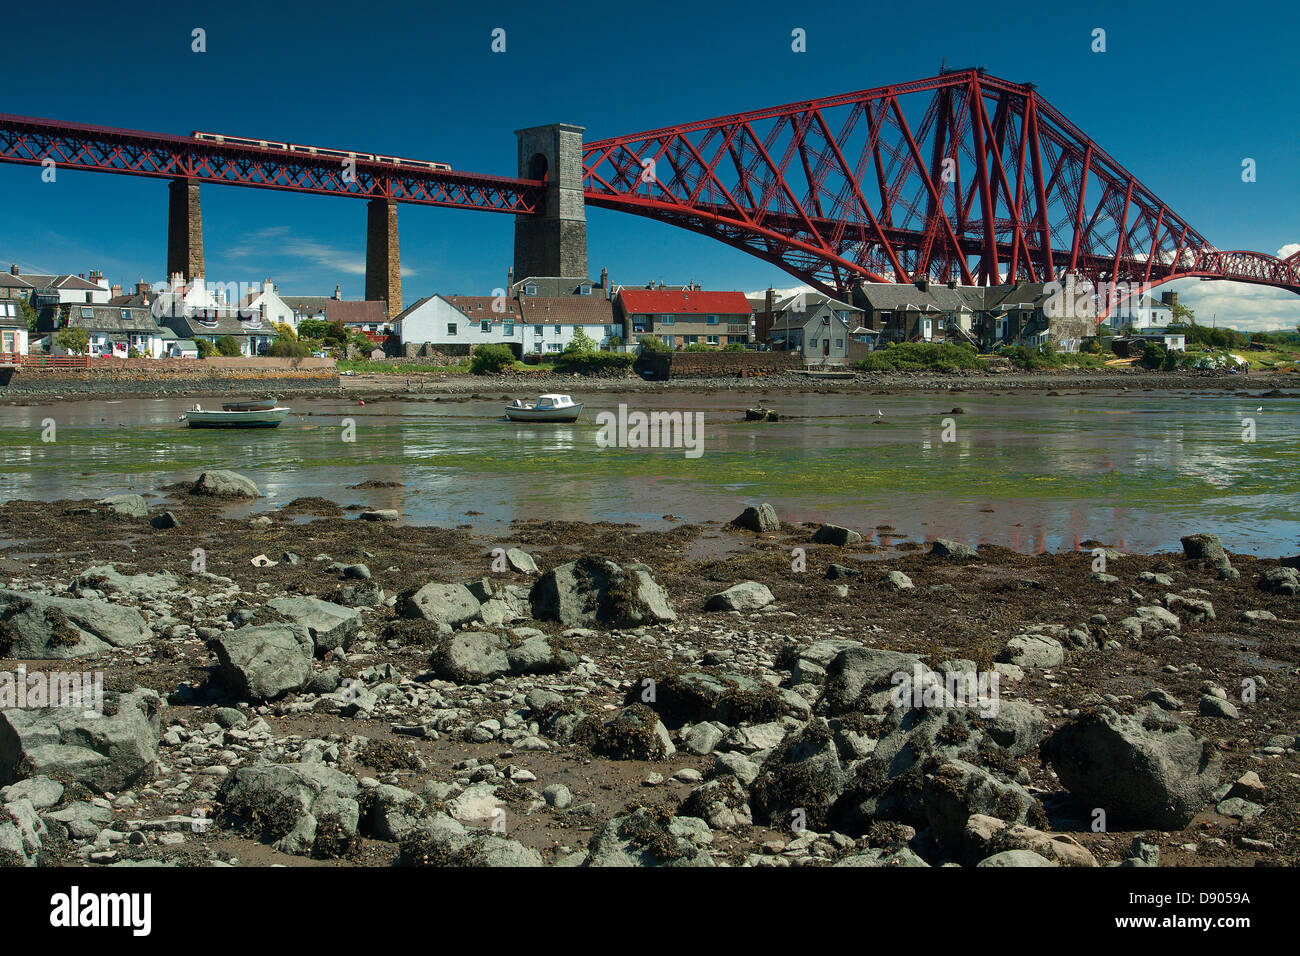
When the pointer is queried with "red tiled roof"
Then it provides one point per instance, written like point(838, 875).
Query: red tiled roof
point(673, 302)
point(355, 311)
point(567, 310)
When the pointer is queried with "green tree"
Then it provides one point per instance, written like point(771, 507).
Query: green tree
point(205, 347)
point(651, 343)
point(29, 313)
point(76, 341)
point(228, 346)
point(313, 329)
point(581, 344)
point(284, 331)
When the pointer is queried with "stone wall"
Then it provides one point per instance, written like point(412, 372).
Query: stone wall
point(718, 364)
point(152, 376)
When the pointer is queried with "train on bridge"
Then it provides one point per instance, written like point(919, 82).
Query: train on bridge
point(316, 150)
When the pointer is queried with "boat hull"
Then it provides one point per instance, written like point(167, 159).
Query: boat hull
point(567, 414)
point(270, 418)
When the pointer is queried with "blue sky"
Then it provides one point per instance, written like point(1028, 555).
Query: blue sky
point(1181, 96)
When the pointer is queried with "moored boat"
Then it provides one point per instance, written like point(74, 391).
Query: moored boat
point(547, 408)
point(199, 417)
point(255, 405)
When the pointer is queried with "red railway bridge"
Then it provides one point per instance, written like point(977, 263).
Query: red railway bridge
point(962, 176)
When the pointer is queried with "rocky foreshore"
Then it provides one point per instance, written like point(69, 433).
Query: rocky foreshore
point(400, 385)
point(322, 685)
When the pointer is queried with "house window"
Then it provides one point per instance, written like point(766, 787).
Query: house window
point(554, 347)
point(508, 328)
point(839, 343)
point(126, 313)
point(537, 329)
point(666, 339)
point(711, 339)
point(485, 325)
point(584, 289)
point(451, 328)
point(691, 339)
point(711, 320)
point(667, 320)
point(530, 289)
point(87, 313)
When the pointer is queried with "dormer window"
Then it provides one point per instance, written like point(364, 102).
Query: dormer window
point(584, 289)
point(530, 289)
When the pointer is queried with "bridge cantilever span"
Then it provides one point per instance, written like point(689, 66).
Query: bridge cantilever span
point(961, 176)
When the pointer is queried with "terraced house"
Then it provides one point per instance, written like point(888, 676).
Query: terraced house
point(682, 317)
point(111, 330)
point(814, 324)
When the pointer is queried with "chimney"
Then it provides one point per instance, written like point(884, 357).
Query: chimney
point(604, 278)
point(1170, 299)
point(510, 277)
point(769, 300)
point(13, 269)
point(952, 283)
point(115, 289)
point(923, 283)
point(337, 296)
point(141, 287)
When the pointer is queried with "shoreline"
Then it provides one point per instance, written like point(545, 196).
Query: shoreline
point(394, 386)
point(431, 719)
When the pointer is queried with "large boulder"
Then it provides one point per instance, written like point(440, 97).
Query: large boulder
point(1280, 581)
point(225, 484)
point(593, 590)
point(330, 625)
point(1147, 769)
point(834, 534)
point(126, 505)
point(761, 518)
point(857, 673)
point(1032, 650)
point(115, 751)
point(643, 838)
point(947, 548)
point(301, 808)
point(451, 605)
point(471, 657)
point(954, 791)
point(37, 627)
point(265, 661)
point(746, 596)
point(137, 587)
point(801, 776)
point(1206, 550)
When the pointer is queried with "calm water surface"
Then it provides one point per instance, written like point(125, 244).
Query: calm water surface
point(1027, 471)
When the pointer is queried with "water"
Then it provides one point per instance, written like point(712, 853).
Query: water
point(1026, 470)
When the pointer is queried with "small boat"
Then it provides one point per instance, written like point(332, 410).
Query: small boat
point(199, 417)
point(257, 405)
point(547, 408)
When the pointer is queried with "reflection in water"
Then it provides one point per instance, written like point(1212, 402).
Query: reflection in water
point(1028, 471)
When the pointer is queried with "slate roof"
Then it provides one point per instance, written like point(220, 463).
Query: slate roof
point(96, 318)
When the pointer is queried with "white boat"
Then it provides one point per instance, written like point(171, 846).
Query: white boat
point(547, 408)
point(200, 417)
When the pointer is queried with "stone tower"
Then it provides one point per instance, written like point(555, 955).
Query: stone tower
point(553, 242)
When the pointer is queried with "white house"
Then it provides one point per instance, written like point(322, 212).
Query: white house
point(13, 328)
point(274, 310)
point(1141, 312)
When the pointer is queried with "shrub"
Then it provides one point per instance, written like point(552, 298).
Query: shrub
point(594, 362)
point(937, 356)
point(700, 347)
point(491, 358)
point(228, 346)
point(288, 348)
point(651, 343)
point(734, 347)
point(73, 340)
point(204, 347)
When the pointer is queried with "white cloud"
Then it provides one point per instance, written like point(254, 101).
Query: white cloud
point(271, 242)
point(1237, 304)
